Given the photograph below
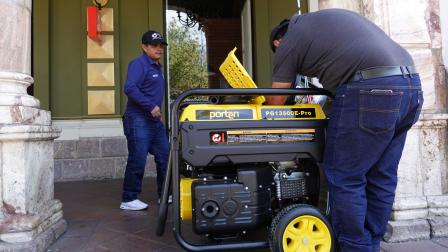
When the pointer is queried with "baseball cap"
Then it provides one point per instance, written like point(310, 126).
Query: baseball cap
point(280, 29)
point(153, 38)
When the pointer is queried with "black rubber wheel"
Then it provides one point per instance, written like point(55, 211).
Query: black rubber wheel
point(299, 227)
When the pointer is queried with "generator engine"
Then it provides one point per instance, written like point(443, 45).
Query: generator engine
point(290, 185)
point(231, 206)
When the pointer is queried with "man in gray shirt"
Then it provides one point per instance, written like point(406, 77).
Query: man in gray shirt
point(378, 98)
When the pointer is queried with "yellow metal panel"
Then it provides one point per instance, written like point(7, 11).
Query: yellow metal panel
point(236, 112)
point(280, 131)
point(185, 198)
point(189, 113)
point(237, 76)
point(101, 102)
point(107, 19)
point(105, 50)
point(100, 74)
point(294, 112)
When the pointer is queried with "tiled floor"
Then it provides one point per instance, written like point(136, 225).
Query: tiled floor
point(95, 222)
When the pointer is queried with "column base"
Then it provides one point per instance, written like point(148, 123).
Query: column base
point(407, 230)
point(439, 227)
point(41, 242)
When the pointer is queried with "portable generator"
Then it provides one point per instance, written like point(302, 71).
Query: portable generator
point(237, 167)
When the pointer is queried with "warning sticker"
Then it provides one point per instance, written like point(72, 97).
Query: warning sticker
point(217, 137)
point(263, 136)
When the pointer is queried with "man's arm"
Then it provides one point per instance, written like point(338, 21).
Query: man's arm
point(278, 99)
point(134, 78)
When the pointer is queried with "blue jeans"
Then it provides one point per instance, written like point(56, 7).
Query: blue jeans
point(144, 136)
point(365, 139)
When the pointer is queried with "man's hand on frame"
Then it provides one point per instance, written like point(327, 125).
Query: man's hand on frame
point(278, 99)
point(155, 112)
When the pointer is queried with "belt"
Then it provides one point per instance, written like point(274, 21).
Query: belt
point(378, 72)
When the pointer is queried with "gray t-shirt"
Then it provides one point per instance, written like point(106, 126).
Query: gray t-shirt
point(332, 45)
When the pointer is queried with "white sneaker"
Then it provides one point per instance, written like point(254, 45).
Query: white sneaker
point(134, 205)
point(170, 200)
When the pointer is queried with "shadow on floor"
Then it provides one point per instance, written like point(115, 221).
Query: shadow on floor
point(95, 222)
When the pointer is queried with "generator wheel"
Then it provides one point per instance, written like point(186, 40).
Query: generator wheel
point(301, 228)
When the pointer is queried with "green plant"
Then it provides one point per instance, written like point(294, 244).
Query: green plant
point(187, 68)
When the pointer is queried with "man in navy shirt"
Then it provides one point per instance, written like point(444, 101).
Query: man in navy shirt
point(378, 98)
point(143, 127)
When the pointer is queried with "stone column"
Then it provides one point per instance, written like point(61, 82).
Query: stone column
point(421, 202)
point(420, 210)
point(30, 217)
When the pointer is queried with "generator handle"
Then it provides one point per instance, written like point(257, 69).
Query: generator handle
point(173, 169)
point(253, 91)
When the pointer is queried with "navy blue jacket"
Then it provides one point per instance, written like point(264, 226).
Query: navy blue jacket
point(145, 86)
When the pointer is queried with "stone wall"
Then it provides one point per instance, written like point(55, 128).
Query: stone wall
point(93, 158)
point(92, 149)
point(420, 210)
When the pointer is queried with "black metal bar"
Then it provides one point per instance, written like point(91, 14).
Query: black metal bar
point(222, 246)
point(253, 91)
point(163, 208)
point(175, 158)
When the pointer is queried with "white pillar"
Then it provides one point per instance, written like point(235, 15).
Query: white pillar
point(30, 217)
point(420, 210)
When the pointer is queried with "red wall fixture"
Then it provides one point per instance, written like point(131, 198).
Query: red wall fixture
point(94, 23)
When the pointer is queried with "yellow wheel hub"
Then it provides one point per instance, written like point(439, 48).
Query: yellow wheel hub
point(306, 233)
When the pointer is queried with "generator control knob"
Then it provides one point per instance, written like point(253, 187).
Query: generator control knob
point(229, 207)
point(210, 209)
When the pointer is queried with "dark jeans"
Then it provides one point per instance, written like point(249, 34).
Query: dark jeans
point(143, 136)
point(365, 139)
